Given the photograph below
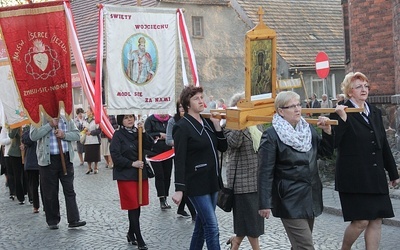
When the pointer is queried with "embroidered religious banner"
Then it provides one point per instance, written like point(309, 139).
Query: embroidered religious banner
point(36, 38)
point(141, 57)
point(12, 111)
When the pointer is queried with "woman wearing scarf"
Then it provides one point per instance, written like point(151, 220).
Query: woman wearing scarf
point(124, 151)
point(156, 127)
point(289, 184)
point(242, 176)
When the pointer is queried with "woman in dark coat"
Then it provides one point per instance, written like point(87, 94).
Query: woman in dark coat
point(124, 152)
point(289, 184)
point(31, 167)
point(363, 155)
point(156, 127)
point(197, 171)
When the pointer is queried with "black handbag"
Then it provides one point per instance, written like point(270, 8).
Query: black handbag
point(225, 199)
point(149, 170)
point(226, 196)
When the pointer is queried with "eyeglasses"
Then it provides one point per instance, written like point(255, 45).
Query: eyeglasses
point(292, 106)
point(359, 87)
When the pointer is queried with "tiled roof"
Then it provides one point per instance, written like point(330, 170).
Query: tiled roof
point(86, 21)
point(303, 27)
point(199, 2)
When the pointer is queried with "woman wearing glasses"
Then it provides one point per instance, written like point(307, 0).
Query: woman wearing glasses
point(363, 155)
point(289, 184)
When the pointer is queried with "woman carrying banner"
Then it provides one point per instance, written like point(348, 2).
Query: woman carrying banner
point(197, 171)
point(92, 141)
point(124, 150)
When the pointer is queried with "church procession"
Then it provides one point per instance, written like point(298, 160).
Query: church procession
point(199, 124)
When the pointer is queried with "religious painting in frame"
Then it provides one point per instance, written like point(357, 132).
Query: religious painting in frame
point(260, 65)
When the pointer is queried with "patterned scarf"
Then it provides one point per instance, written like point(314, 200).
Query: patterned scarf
point(298, 138)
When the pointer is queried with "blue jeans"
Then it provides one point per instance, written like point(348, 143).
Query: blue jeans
point(206, 226)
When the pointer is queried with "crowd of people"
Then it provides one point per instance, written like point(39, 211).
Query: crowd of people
point(272, 171)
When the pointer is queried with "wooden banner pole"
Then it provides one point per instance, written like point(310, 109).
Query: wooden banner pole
point(140, 137)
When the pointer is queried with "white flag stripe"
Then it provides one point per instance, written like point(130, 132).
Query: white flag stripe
point(322, 65)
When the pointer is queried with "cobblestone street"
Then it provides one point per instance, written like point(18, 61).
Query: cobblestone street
point(106, 227)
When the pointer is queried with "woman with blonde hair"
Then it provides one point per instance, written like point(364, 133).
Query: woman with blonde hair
point(363, 158)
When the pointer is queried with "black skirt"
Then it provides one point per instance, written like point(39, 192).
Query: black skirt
point(365, 206)
point(92, 153)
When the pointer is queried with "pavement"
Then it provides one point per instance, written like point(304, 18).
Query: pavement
point(107, 224)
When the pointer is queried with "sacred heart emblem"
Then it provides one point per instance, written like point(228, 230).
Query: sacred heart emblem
point(41, 60)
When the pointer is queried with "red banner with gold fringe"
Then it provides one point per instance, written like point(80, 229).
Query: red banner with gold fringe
point(36, 38)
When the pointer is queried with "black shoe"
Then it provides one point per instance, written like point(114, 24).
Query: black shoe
point(89, 171)
point(131, 240)
point(143, 247)
point(53, 227)
point(183, 213)
point(164, 204)
point(77, 223)
point(12, 197)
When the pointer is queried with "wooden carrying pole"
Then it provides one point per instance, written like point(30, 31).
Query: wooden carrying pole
point(220, 114)
point(140, 138)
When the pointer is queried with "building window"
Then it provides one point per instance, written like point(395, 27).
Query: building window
point(197, 22)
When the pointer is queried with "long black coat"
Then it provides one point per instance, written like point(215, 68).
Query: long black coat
point(363, 154)
point(289, 183)
point(196, 157)
point(124, 151)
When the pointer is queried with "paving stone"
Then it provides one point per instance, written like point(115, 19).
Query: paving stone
point(107, 224)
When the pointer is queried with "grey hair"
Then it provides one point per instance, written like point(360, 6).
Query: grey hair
point(284, 97)
point(235, 99)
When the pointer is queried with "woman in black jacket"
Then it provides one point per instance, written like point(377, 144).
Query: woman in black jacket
point(31, 167)
point(156, 127)
point(197, 172)
point(124, 151)
point(289, 184)
point(363, 155)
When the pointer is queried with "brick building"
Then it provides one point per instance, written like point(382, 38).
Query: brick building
point(372, 46)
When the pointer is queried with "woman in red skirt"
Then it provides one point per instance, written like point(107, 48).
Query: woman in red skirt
point(124, 151)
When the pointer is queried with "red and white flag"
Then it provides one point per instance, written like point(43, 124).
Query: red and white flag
point(36, 39)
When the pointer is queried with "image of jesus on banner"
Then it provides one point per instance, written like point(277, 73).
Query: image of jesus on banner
point(140, 66)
